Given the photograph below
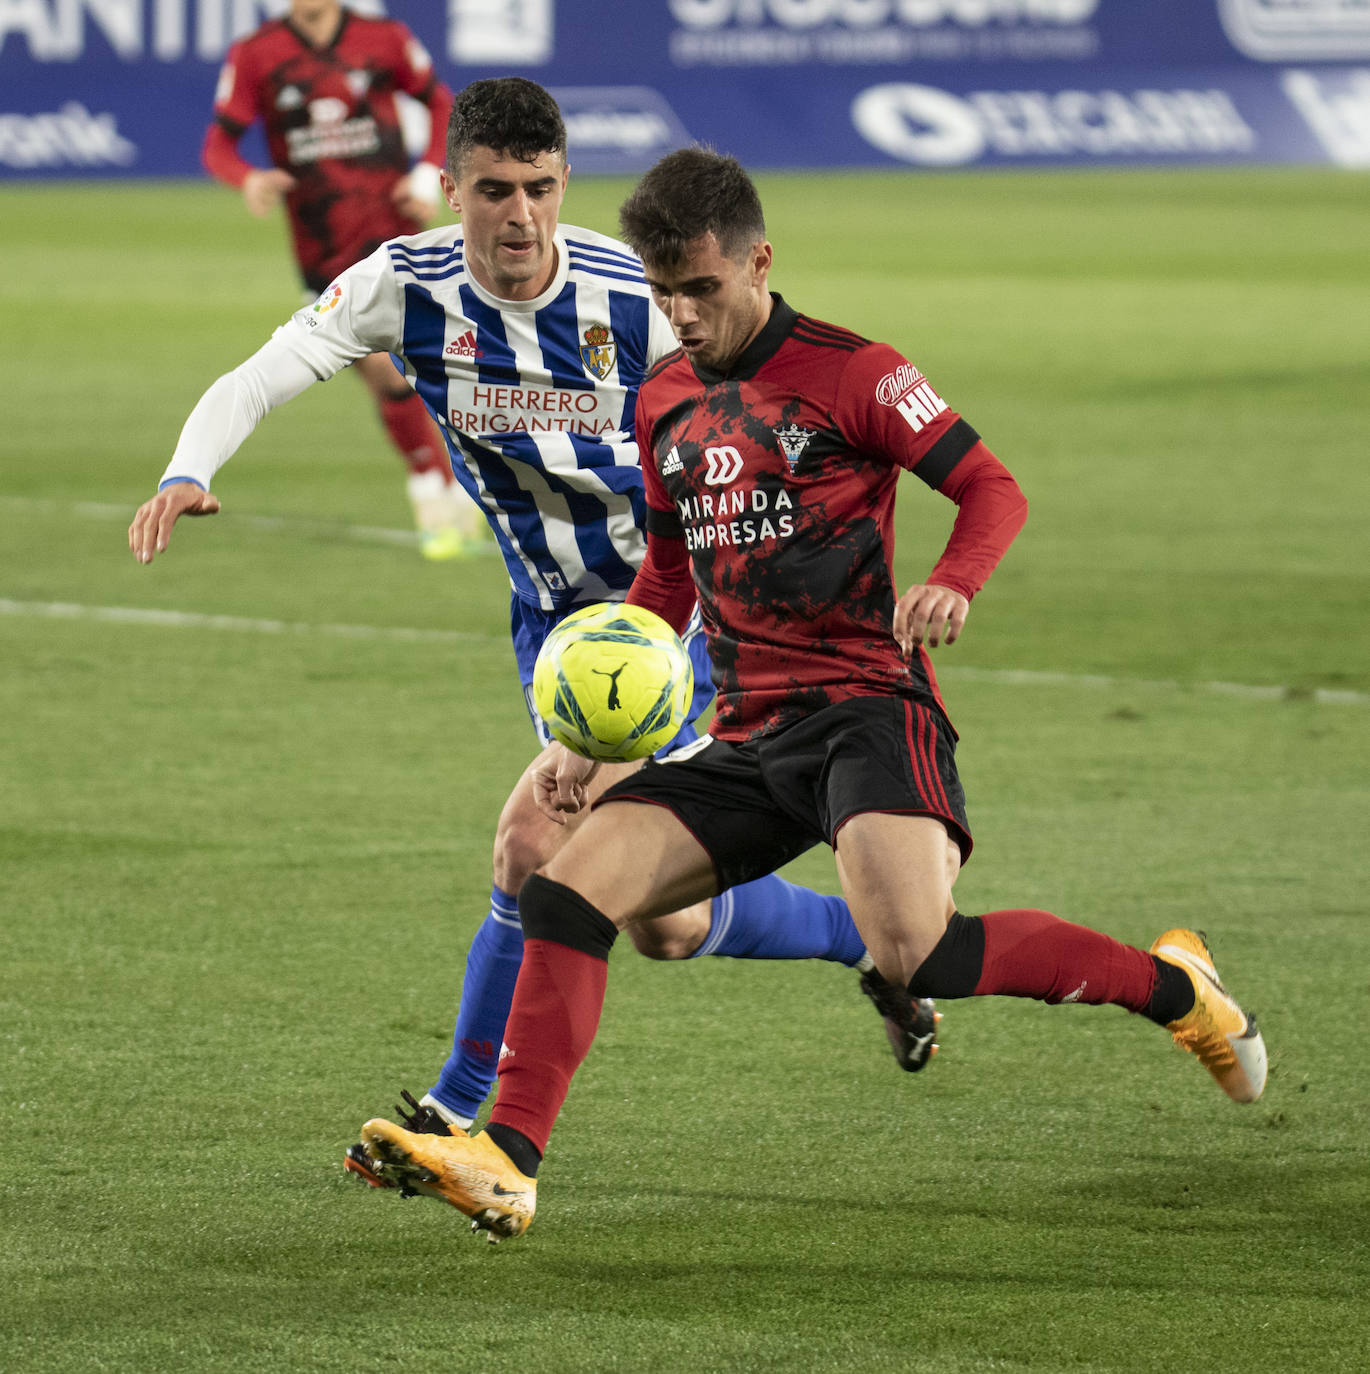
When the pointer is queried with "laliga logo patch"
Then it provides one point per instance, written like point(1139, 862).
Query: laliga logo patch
point(793, 440)
point(328, 300)
point(599, 351)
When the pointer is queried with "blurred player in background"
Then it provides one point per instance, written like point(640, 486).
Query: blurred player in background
point(530, 338)
point(323, 81)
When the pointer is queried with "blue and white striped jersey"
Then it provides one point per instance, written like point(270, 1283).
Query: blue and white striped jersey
point(535, 398)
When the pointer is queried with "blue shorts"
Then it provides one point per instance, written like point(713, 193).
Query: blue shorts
point(529, 625)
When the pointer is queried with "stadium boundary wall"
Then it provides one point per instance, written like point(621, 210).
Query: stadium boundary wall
point(115, 88)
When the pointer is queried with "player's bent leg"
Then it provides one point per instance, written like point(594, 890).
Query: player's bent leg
point(897, 873)
point(678, 935)
point(524, 840)
point(634, 862)
point(608, 878)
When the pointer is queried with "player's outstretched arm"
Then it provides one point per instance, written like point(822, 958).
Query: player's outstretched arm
point(561, 782)
point(151, 528)
point(223, 417)
point(929, 614)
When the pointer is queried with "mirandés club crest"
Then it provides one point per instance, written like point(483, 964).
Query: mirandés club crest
point(599, 351)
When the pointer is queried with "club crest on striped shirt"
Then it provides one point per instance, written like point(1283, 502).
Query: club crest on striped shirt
point(598, 352)
point(793, 440)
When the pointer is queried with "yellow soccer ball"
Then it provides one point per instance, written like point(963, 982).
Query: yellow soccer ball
point(613, 682)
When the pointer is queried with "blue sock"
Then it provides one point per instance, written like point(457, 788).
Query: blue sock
point(773, 919)
point(487, 989)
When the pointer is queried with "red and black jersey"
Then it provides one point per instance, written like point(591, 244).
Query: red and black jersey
point(332, 122)
point(779, 477)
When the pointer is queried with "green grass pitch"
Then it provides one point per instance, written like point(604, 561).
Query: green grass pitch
point(242, 847)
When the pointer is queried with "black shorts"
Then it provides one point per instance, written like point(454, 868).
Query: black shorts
point(755, 806)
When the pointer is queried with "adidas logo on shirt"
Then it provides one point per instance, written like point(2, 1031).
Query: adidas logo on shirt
point(671, 462)
point(464, 347)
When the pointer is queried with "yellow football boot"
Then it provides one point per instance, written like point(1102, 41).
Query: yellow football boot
point(469, 1172)
point(419, 1117)
point(1215, 1028)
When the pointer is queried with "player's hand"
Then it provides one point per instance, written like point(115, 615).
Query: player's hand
point(561, 782)
point(929, 614)
point(264, 187)
point(151, 527)
point(419, 194)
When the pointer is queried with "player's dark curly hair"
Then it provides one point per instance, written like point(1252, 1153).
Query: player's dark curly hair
point(515, 117)
point(691, 192)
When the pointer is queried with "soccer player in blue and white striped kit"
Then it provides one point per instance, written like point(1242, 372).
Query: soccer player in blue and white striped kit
point(527, 341)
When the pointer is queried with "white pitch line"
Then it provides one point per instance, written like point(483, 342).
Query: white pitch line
point(301, 525)
point(1011, 677)
point(135, 615)
point(1028, 677)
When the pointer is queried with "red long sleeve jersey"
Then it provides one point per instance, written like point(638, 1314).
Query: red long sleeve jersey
point(770, 494)
point(332, 122)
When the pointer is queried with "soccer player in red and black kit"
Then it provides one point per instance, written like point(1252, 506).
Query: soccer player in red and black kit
point(771, 447)
point(324, 82)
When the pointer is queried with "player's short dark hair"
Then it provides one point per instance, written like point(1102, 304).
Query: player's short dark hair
point(689, 193)
point(514, 116)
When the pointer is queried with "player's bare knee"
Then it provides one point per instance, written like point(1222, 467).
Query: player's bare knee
point(521, 848)
point(676, 936)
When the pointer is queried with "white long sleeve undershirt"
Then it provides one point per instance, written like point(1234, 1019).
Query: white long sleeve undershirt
point(235, 405)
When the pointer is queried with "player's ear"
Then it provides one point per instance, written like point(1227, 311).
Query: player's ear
point(449, 191)
point(761, 255)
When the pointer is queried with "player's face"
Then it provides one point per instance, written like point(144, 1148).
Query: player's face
point(313, 11)
point(509, 212)
point(716, 304)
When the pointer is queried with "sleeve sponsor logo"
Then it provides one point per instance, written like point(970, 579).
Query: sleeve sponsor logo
point(897, 384)
point(920, 406)
point(330, 298)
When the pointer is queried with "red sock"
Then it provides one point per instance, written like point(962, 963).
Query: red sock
point(557, 1002)
point(1036, 954)
point(412, 431)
